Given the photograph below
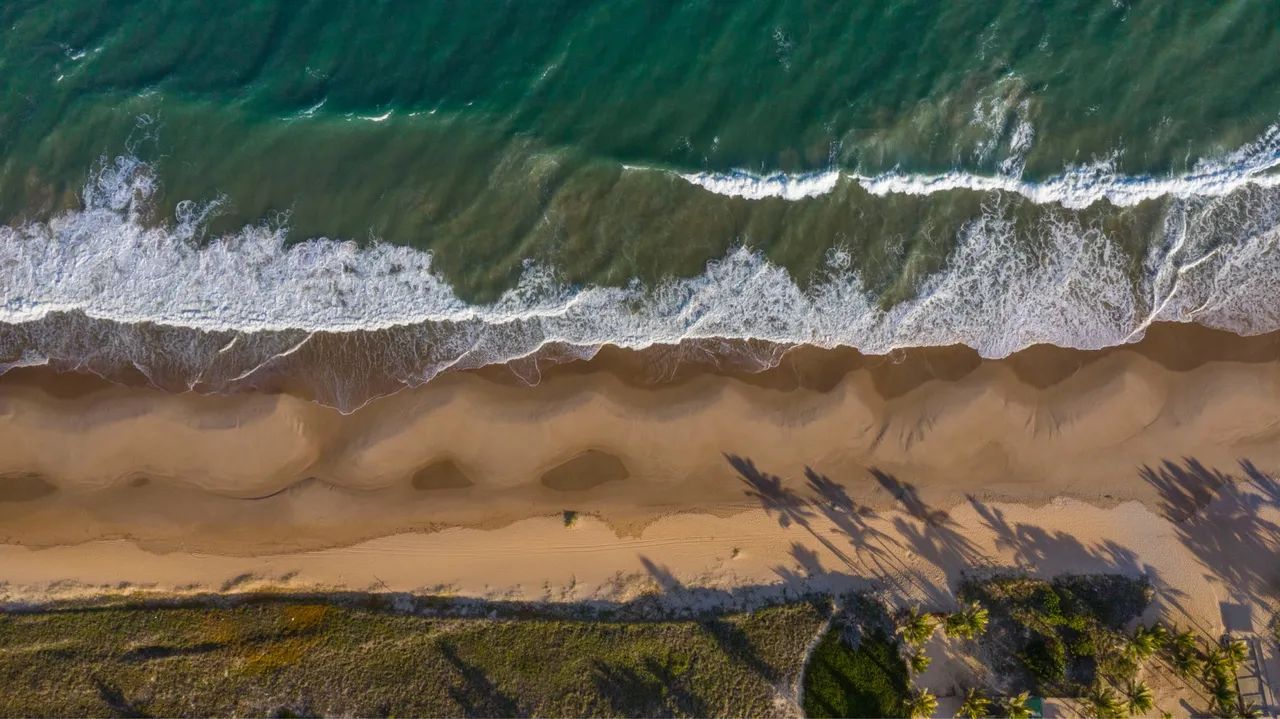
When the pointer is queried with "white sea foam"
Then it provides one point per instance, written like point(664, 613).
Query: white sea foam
point(1255, 164)
point(154, 299)
point(741, 183)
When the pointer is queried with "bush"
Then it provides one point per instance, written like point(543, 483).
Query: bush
point(1046, 658)
point(867, 681)
point(1063, 633)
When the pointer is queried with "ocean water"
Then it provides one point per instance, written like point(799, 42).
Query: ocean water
point(368, 194)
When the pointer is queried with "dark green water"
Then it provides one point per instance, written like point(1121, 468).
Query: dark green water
point(499, 134)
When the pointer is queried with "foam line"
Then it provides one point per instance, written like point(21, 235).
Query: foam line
point(1256, 164)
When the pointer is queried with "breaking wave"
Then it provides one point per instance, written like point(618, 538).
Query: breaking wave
point(1257, 164)
point(98, 289)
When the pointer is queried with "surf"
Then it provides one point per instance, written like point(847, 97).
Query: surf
point(100, 288)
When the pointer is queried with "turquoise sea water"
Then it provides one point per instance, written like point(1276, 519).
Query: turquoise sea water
point(490, 177)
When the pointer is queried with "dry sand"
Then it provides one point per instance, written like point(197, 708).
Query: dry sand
point(831, 471)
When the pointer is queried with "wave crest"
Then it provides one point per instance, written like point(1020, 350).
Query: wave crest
point(1253, 165)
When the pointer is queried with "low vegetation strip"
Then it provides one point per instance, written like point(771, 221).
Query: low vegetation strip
point(288, 658)
point(869, 680)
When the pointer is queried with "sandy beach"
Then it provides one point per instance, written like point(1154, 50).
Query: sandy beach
point(109, 484)
point(831, 472)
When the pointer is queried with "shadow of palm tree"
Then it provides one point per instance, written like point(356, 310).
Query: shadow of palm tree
point(909, 498)
point(739, 647)
point(875, 551)
point(775, 497)
point(1184, 488)
point(781, 501)
point(115, 699)
point(666, 581)
point(1034, 547)
point(839, 508)
point(653, 690)
point(1266, 485)
point(477, 695)
point(1218, 517)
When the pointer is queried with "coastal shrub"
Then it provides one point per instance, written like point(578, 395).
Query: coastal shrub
point(1045, 658)
point(1061, 635)
point(1016, 706)
point(921, 704)
point(1111, 599)
point(869, 680)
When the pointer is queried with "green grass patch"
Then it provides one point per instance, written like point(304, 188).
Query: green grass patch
point(869, 680)
point(292, 658)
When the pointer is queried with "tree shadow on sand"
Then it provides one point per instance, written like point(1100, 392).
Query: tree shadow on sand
point(909, 498)
point(780, 501)
point(871, 552)
point(1218, 517)
point(931, 536)
point(1036, 548)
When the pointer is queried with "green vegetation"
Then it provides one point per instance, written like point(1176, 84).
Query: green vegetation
point(921, 704)
point(1140, 697)
point(866, 680)
point(1017, 706)
point(916, 627)
point(1066, 638)
point(968, 623)
point(1103, 703)
point(919, 661)
point(1066, 634)
point(284, 657)
point(976, 705)
point(367, 655)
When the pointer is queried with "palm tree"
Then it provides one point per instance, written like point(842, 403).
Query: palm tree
point(1225, 699)
point(916, 627)
point(1220, 663)
point(967, 623)
point(1141, 698)
point(1147, 641)
point(919, 661)
point(975, 706)
point(1184, 657)
point(1251, 711)
point(1236, 649)
point(1105, 703)
point(1015, 707)
point(922, 703)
